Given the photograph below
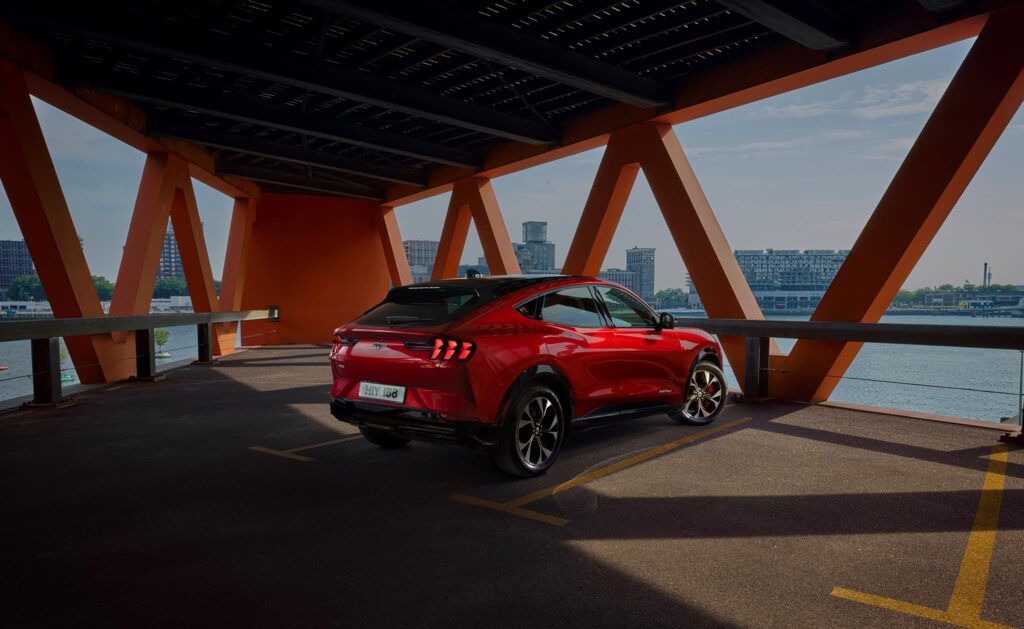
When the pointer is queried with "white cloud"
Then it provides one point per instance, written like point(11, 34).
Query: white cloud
point(915, 97)
point(883, 100)
point(775, 148)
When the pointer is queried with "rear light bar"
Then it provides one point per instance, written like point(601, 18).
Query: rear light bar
point(342, 341)
point(447, 349)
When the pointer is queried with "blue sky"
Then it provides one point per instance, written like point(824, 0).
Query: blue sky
point(802, 170)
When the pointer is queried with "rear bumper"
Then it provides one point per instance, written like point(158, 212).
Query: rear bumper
point(413, 423)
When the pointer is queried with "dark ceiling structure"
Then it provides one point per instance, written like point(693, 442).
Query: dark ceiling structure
point(348, 97)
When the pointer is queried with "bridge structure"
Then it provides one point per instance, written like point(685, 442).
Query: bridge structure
point(227, 495)
point(320, 117)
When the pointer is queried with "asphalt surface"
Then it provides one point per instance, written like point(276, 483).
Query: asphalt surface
point(145, 505)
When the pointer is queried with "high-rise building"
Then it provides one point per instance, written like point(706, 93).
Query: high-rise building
point(535, 253)
point(421, 255)
point(641, 261)
point(789, 279)
point(535, 231)
point(620, 276)
point(170, 257)
point(15, 261)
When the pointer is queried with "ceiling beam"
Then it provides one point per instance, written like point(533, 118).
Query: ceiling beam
point(287, 68)
point(259, 147)
point(446, 25)
point(802, 22)
point(252, 110)
point(271, 176)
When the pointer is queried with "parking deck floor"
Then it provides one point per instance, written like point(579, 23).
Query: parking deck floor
point(228, 496)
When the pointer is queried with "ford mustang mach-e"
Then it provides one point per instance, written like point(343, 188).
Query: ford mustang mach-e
point(513, 362)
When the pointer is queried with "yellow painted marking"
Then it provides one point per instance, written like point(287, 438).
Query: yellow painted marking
point(514, 506)
point(969, 592)
point(601, 472)
point(326, 443)
point(506, 508)
point(290, 454)
point(282, 453)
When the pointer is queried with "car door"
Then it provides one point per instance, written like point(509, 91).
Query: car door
point(582, 345)
point(651, 365)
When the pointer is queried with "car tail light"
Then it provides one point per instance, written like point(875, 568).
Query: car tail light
point(448, 349)
point(341, 341)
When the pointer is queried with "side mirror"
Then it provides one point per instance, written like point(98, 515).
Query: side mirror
point(666, 321)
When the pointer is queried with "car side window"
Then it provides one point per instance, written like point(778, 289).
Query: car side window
point(626, 310)
point(575, 307)
point(531, 308)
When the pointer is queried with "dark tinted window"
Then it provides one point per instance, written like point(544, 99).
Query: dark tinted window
point(531, 308)
point(422, 304)
point(626, 310)
point(574, 307)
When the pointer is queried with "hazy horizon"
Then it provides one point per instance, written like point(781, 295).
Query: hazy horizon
point(803, 170)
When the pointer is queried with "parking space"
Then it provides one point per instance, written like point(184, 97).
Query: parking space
point(228, 495)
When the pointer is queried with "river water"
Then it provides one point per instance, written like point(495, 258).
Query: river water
point(940, 368)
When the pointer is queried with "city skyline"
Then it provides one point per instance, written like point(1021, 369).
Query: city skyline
point(798, 171)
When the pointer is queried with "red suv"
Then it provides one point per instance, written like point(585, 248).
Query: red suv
point(510, 362)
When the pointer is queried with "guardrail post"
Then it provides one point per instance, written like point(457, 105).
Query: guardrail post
point(46, 389)
point(145, 356)
point(205, 347)
point(755, 371)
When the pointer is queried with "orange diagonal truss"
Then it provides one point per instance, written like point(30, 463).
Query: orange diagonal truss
point(394, 250)
point(977, 106)
point(473, 199)
point(233, 278)
point(655, 148)
point(41, 210)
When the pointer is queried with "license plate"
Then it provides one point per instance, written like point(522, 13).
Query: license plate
point(385, 392)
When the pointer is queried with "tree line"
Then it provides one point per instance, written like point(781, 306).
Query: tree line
point(29, 288)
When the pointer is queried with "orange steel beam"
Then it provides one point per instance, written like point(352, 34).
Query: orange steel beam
point(394, 250)
point(473, 199)
point(699, 238)
point(903, 28)
point(983, 96)
point(232, 283)
point(195, 260)
point(140, 259)
point(41, 210)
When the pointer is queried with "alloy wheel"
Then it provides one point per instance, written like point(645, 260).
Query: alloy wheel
point(537, 432)
point(703, 395)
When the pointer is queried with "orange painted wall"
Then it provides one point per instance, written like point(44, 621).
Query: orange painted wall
point(319, 259)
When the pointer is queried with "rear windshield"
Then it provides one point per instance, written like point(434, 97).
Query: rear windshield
point(426, 305)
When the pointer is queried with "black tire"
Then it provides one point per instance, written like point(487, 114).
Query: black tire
point(705, 395)
point(535, 418)
point(383, 439)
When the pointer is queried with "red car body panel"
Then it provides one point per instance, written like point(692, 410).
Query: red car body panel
point(603, 367)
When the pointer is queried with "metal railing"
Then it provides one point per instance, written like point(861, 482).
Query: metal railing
point(758, 335)
point(45, 335)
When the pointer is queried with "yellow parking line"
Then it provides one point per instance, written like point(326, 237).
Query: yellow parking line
point(601, 472)
point(290, 453)
point(282, 453)
point(506, 508)
point(326, 443)
point(514, 506)
point(969, 592)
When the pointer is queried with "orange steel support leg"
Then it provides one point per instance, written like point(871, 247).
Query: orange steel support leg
point(977, 106)
point(133, 291)
point(394, 251)
point(41, 210)
point(195, 261)
point(474, 199)
point(233, 280)
point(697, 234)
